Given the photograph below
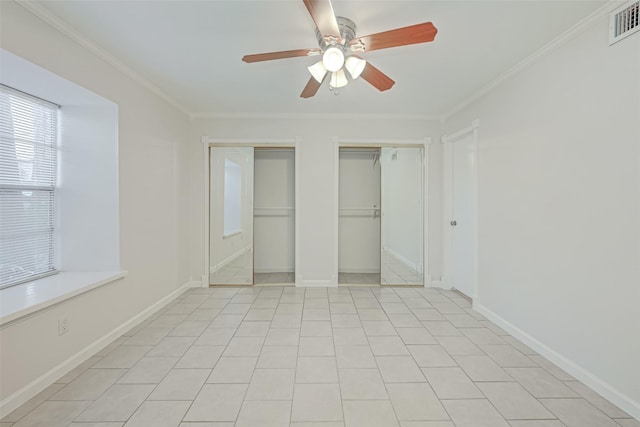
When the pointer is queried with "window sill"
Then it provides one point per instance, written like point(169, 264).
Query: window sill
point(25, 299)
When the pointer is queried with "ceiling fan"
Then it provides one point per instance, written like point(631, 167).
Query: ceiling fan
point(339, 47)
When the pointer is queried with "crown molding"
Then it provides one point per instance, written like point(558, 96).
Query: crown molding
point(328, 116)
point(66, 29)
point(536, 56)
point(45, 15)
point(374, 142)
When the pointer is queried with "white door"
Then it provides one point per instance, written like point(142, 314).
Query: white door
point(463, 217)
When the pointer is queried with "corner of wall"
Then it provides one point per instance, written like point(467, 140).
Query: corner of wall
point(603, 388)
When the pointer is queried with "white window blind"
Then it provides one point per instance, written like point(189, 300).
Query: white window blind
point(28, 134)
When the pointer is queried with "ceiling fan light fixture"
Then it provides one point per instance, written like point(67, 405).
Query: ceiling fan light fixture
point(318, 71)
point(333, 59)
point(355, 66)
point(338, 79)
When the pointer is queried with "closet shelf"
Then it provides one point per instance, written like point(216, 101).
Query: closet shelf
point(273, 212)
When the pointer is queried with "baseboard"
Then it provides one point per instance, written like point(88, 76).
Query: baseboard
point(603, 388)
point(15, 400)
point(434, 284)
point(188, 285)
point(274, 270)
point(440, 284)
point(447, 285)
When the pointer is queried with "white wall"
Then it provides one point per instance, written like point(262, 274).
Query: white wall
point(559, 208)
point(274, 229)
point(88, 188)
point(316, 178)
point(153, 206)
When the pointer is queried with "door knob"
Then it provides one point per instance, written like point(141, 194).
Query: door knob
point(453, 223)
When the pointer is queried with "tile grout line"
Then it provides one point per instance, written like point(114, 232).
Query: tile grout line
point(212, 368)
point(381, 295)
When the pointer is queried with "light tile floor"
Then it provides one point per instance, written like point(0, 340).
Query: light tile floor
point(240, 272)
point(393, 271)
point(270, 278)
point(358, 279)
point(340, 357)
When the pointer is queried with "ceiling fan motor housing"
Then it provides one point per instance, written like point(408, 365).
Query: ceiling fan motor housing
point(347, 32)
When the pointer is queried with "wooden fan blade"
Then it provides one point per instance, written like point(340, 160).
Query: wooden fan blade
point(280, 55)
point(311, 88)
point(377, 78)
point(419, 33)
point(321, 12)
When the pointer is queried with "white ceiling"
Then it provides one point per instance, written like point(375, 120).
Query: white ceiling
point(192, 50)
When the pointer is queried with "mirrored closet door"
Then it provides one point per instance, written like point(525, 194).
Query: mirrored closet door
point(402, 248)
point(251, 215)
point(381, 216)
point(231, 216)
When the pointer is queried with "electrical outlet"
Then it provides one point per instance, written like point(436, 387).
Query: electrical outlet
point(63, 326)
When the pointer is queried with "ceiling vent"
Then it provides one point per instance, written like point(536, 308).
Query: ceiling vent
point(624, 21)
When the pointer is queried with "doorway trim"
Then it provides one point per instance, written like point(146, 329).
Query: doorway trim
point(423, 143)
point(447, 204)
point(207, 143)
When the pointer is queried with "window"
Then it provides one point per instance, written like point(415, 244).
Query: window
point(28, 146)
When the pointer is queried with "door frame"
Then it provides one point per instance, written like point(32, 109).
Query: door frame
point(447, 204)
point(207, 143)
point(423, 143)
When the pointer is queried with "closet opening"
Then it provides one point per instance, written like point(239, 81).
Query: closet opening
point(381, 215)
point(359, 216)
point(251, 215)
point(274, 216)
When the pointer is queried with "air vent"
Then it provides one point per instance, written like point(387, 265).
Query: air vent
point(624, 21)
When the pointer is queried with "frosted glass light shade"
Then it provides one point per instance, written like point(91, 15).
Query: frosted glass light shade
point(355, 66)
point(333, 59)
point(318, 71)
point(338, 79)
